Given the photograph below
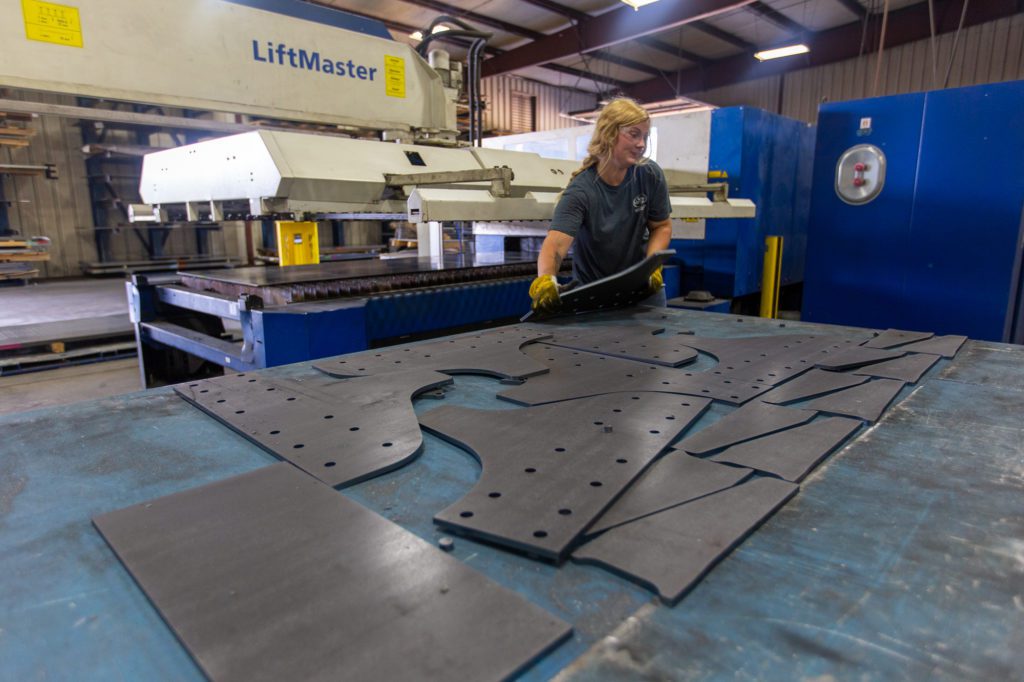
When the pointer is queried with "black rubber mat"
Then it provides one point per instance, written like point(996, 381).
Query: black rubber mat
point(793, 453)
point(893, 338)
point(272, 575)
point(909, 368)
point(550, 471)
point(867, 401)
point(946, 346)
point(640, 343)
point(674, 479)
point(342, 433)
point(672, 550)
point(810, 384)
point(495, 352)
point(750, 421)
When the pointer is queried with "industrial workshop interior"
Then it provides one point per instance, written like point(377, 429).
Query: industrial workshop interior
point(511, 340)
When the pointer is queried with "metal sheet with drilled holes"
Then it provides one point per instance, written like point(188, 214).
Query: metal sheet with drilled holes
point(946, 346)
point(549, 471)
point(891, 338)
point(495, 352)
point(640, 343)
point(625, 288)
point(867, 401)
point(810, 384)
point(909, 368)
point(750, 421)
point(672, 480)
point(857, 356)
point(793, 453)
point(769, 359)
point(272, 575)
point(672, 550)
point(342, 433)
point(576, 374)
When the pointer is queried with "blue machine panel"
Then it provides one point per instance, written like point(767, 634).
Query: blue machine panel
point(939, 249)
point(768, 159)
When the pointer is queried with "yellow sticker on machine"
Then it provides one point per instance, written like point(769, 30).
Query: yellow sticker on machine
point(49, 22)
point(394, 76)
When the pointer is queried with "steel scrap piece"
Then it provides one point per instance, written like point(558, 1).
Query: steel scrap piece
point(946, 346)
point(748, 422)
point(495, 352)
point(793, 453)
point(672, 550)
point(577, 374)
point(810, 384)
point(549, 472)
point(640, 343)
point(893, 338)
point(272, 575)
point(867, 401)
point(672, 480)
point(341, 433)
point(909, 368)
point(622, 289)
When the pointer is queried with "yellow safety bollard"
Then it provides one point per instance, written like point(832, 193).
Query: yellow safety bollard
point(770, 277)
point(298, 243)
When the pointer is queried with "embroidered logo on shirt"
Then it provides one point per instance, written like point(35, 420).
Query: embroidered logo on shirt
point(640, 203)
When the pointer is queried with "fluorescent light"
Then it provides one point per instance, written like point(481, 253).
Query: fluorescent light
point(418, 35)
point(787, 51)
point(637, 4)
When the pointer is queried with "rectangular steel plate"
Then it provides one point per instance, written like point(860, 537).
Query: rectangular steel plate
point(272, 575)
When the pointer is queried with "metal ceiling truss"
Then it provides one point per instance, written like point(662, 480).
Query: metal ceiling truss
point(776, 17)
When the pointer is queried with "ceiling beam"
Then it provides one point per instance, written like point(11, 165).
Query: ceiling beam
point(724, 36)
point(776, 17)
point(677, 52)
point(906, 25)
point(607, 56)
point(567, 12)
point(460, 13)
point(605, 30)
point(855, 7)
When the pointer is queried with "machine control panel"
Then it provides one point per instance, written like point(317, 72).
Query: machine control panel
point(860, 174)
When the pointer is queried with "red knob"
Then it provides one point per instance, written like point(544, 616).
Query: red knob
point(859, 182)
point(859, 167)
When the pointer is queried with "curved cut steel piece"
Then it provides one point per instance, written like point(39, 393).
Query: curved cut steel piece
point(640, 343)
point(813, 383)
point(867, 401)
point(549, 471)
point(909, 368)
point(496, 352)
point(342, 433)
point(748, 422)
point(622, 289)
point(892, 338)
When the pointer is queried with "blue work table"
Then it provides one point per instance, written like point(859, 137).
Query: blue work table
point(901, 557)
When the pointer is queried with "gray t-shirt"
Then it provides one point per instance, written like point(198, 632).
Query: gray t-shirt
point(609, 224)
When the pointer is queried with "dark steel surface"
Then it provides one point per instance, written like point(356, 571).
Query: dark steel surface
point(810, 384)
point(867, 401)
point(640, 343)
point(750, 421)
point(549, 471)
point(909, 368)
point(672, 550)
point(857, 356)
point(793, 453)
point(341, 433)
point(620, 290)
point(891, 338)
point(577, 374)
point(946, 346)
point(494, 352)
point(672, 480)
point(272, 575)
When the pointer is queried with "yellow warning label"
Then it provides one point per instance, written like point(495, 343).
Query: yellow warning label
point(394, 76)
point(52, 23)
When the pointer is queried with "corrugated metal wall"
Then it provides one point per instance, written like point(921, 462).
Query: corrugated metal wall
point(58, 209)
point(551, 102)
point(986, 53)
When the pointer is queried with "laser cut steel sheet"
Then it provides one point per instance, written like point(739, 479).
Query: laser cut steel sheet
point(341, 433)
point(639, 343)
point(810, 384)
point(750, 421)
point(893, 338)
point(909, 368)
point(674, 479)
point(671, 551)
point(867, 401)
point(549, 472)
point(272, 575)
point(577, 374)
point(769, 359)
point(793, 453)
point(857, 356)
point(620, 290)
point(946, 346)
point(495, 352)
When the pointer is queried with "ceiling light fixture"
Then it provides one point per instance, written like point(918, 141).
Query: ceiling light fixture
point(637, 4)
point(787, 51)
point(418, 35)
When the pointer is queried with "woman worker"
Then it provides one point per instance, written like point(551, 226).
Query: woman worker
point(616, 208)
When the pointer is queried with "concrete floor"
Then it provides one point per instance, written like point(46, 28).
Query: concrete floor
point(22, 392)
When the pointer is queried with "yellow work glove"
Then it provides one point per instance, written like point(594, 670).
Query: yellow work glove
point(544, 292)
point(657, 281)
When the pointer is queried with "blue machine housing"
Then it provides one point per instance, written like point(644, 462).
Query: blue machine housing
point(939, 249)
point(768, 159)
